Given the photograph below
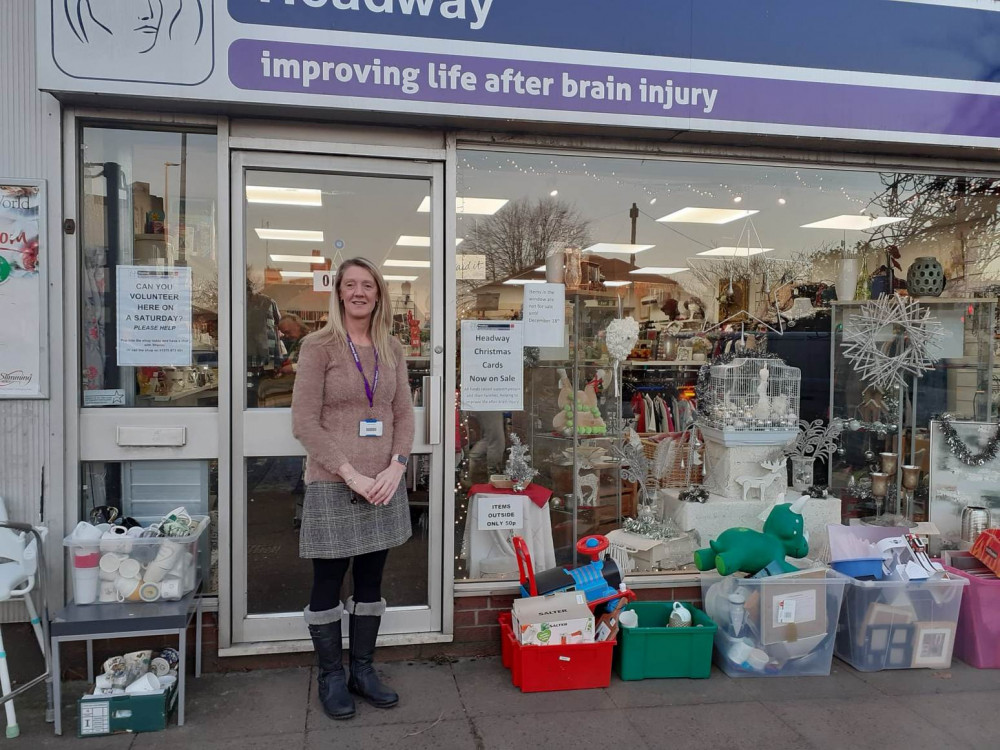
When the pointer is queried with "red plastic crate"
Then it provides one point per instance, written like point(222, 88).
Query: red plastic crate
point(536, 669)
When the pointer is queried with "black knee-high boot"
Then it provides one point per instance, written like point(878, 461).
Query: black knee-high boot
point(325, 630)
point(366, 617)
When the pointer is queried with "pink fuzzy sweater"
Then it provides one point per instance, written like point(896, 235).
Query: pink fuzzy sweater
point(329, 402)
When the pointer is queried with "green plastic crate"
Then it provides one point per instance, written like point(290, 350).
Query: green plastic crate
point(125, 713)
point(653, 650)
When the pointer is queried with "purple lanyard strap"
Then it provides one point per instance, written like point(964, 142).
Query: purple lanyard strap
point(369, 388)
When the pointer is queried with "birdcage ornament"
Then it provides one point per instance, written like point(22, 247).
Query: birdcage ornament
point(751, 401)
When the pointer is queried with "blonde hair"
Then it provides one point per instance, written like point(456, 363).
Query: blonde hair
point(380, 323)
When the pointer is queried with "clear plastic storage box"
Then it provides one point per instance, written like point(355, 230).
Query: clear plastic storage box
point(109, 564)
point(779, 626)
point(899, 624)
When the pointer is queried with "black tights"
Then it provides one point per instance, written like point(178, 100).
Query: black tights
point(328, 577)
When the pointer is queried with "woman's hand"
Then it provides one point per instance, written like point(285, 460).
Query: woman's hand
point(362, 485)
point(386, 483)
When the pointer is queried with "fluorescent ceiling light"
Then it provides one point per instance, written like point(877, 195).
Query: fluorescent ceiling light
point(478, 206)
point(409, 240)
point(522, 282)
point(393, 263)
point(312, 259)
point(540, 269)
point(658, 270)
point(293, 235)
point(740, 252)
point(284, 196)
point(693, 215)
point(616, 248)
point(853, 221)
point(617, 283)
point(296, 274)
point(400, 278)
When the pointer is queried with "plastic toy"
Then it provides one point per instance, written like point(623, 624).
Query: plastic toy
point(599, 580)
point(749, 551)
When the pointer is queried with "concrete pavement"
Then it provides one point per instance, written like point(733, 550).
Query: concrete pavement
point(470, 704)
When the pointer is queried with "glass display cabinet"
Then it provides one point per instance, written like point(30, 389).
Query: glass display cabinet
point(575, 421)
point(885, 431)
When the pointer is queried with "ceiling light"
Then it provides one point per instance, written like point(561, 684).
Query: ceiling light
point(738, 199)
point(284, 196)
point(409, 240)
point(479, 206)
point(296, 274)
point(692, 215)
point(741, 252)
point(782, 201)
point(393, 263)
point(850, 221)
point(617, 283)
point(659, 270)
point(293, 235)
point(400, 278)
point(311, 259)
point(522, 282)
point(653, 202)
point(554, 193)
point(616, 248)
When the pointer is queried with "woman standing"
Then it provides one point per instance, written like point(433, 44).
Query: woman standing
point(352, 411)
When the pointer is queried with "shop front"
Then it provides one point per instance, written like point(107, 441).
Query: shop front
point(525, 182)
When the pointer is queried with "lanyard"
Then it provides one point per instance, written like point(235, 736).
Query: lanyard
point(369, 388)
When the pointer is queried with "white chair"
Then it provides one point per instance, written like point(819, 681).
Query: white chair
point(21, 567)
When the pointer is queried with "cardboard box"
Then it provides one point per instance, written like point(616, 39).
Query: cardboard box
point(555, 619)
point(793, 612)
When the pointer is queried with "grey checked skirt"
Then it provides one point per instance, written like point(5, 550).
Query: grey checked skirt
point(333, 526)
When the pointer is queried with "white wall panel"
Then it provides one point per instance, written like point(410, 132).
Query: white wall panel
point(30, 148)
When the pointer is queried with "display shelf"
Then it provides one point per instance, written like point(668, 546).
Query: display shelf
point(588, 496)
point(662, 363)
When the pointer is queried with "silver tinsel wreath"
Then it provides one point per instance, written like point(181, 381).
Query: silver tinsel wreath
point(866, 348)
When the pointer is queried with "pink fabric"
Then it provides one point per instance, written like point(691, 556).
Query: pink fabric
point(329, 402)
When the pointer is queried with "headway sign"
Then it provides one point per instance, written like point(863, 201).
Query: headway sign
point(909, 70)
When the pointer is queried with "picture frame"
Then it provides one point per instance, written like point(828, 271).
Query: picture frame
point(953, 485)
point(933, 645)
point(684, 353)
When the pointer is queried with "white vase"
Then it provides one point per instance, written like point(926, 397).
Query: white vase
point(554, 268)
point(847, 278)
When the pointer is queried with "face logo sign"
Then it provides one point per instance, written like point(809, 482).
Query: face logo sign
point(145, 41)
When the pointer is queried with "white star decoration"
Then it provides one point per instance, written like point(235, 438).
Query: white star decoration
point(885, 360)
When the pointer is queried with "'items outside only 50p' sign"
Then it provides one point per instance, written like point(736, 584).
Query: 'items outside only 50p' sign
point(498, 512)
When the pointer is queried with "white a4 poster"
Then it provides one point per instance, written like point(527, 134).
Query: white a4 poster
point(492, 366)
point(154, 316)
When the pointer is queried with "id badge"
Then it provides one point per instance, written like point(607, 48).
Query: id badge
point(371, 428)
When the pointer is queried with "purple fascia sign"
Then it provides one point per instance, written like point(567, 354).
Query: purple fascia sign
point(535, 87)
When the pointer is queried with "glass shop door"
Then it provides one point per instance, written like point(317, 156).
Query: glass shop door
point(294, 218)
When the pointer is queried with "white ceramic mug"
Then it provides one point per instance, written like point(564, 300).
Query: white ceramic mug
point(170, 589)
point(127, 589)
point(108, 594)
point(110, 562)
point(104, 685)
point(86, 532)
point(136, 532)
point(147, 683)
point(129, 568)
point(116, 539)
point(167, 680)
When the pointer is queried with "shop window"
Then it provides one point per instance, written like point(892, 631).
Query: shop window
point(705, 257)
point(148, 268)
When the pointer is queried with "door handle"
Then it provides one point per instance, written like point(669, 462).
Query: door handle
point(432, 409)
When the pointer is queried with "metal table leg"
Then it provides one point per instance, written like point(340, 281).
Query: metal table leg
point(182, 647)
point(197, 652)
point(56, 685)
point(90, 661)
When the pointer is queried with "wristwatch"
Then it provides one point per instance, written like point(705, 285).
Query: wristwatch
point(400, 459)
